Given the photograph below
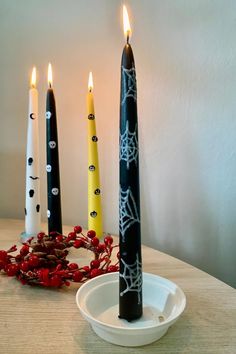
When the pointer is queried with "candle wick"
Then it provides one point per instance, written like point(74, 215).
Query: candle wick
point(127, 38)
point(50, 85)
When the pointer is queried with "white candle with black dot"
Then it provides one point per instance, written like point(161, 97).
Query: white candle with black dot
point(94, 190)
point(52, 167)
point(32, 197)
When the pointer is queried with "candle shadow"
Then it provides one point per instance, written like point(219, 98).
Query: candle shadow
point(178, 212)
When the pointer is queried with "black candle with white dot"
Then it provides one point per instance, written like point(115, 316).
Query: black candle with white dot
point(52, 168)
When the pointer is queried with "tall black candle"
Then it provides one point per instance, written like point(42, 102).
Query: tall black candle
point(53, 172)
point(130, 280)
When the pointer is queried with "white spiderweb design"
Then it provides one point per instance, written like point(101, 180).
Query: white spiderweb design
point(128, 211)
point(129, 145)
point(129, 80)
point(132, 276)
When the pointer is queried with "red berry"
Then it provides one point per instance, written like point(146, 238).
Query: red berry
point(95, 264)
point(3, 256)
point(78, 243)
point(71, 236)
point(55, 280)
point(78, 229)
point(77, 276)
point(86, 269)
point(22, 280)
point(40, 235)
point(24, 250)
point(59, 238)
point(101, 248)
point(43, 274)
point(95, 241)
point(73, 266)
point(53, 234)
point(91, 234)
point(95, 272)
point(33, 261)
point(108, 240)
point(12, 269)
point(112, 268)
point(25, 266)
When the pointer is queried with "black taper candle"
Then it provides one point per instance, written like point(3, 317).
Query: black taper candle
point(53, 172)
point(130, 280)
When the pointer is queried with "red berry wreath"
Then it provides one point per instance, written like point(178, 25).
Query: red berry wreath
point(44, 261)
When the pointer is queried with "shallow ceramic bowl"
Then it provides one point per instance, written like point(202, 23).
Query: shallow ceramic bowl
point(163, 303)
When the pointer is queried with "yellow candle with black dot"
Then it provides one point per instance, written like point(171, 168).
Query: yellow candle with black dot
point(94, 190)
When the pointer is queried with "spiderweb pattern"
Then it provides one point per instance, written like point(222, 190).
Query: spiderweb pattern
point(129, 145)
point(128, 211)
point(132, 275)
point(129, 80)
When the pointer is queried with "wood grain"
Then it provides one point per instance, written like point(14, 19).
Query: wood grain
point(38, 320)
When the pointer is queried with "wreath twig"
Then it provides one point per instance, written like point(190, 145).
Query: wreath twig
point(44, 261)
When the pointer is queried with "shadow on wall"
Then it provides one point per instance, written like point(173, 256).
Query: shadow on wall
point(13, 196)
point(186, 222)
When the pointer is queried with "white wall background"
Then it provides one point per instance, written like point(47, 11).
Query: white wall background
point(186, 69)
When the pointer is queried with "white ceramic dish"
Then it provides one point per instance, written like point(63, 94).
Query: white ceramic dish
point(163, 303)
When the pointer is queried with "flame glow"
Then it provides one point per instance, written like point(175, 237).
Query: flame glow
point(127, 28)
point(90, 81)
point(33, 77)
point(50, 74)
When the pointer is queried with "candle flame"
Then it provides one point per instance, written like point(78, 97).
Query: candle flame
point(90, 81)
point(127, 28)
point(49, 74)
point(33, 77)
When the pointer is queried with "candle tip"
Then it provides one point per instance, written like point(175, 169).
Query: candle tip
point(33, 77)
point(127, 28)
point(90, 82)
point(50, 75)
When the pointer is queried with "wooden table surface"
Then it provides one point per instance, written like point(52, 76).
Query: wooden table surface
point(38, 320)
